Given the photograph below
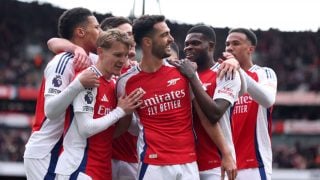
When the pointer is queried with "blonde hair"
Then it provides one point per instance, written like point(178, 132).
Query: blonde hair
point(107, 38)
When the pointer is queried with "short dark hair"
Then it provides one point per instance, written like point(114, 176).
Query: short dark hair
point(113, 22)
point(143, 26)
point(207, 31)
point(250, 34)
point(70, 19)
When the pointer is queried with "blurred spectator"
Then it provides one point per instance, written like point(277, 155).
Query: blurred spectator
point(12, 141)
point(295, 56)
point(297, 156)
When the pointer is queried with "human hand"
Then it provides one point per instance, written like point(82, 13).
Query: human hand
point(81, 59)
point(228, 65)
point(228, 165)
point(88, 78)
point(185, 66)
point(132, 101)
point(133, 62)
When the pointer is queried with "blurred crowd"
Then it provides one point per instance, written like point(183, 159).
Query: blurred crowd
point(12, 141)
point(26, 27)
point(296, 157)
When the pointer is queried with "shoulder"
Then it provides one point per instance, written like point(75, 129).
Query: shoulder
point(60, 62)
point(133, 71)
point(267, 71)
point(264, 72)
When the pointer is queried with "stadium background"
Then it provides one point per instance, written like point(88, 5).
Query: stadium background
point(295, 57)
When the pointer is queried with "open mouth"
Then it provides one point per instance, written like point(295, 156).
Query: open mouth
point(189, 56)
point(118, 67)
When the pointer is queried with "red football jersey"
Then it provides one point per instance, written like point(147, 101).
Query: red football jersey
point(165, 119)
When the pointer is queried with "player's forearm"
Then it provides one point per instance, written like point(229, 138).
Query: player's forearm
point(204, 100)
point(263, 95)
point(213, 130)
point(216, 135)
point(58, 45)
point(89, 127)
point(56, 105)
point(244, 86)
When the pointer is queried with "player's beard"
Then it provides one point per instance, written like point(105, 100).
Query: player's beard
point(160, 51)
point(201, 58)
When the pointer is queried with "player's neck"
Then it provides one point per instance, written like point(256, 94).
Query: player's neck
point(246, 65)
point(207, 65)
point(150, 64)
point(102, 70)
point(81, 44)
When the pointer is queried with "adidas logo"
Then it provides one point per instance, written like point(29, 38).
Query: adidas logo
point(104, 98)
point(173, 81)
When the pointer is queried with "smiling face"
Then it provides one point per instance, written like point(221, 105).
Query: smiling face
point(161, 40)
point(197, 49)
point(111, 60)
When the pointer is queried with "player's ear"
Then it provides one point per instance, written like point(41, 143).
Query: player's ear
point(99, 51)
point(147, 41)
point(80, 31)
point(251, 49)
point(211, 45)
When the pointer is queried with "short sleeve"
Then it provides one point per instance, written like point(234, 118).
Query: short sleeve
point(228, 88)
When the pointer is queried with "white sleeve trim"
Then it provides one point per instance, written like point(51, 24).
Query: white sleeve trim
point(89, 126)
point(56, 105)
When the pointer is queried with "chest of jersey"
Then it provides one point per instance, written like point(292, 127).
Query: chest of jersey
point(105, 99)
point(166, 91)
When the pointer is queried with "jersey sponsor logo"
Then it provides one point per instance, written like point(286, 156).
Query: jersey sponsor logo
point(245, 99)
point(57, 81)
point(163, 102)
point(54, 91)
point(104, 98)
point(102, 110)
point(88, 97)
point(227, 91)
point(242, 104)
point(172, 82)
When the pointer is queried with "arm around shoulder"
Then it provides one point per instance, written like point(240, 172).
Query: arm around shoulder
point(57, 45)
